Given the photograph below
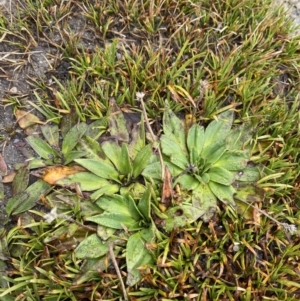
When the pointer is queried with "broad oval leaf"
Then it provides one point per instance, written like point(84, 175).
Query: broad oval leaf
point(86, 180)
point(217, 131)
point(117, 122)
point(135, 189)
point(204, 200)
point(153, 170)
point(170, 146)
point(179, 160)
point(222, 192)
point(27, 199)
point(125, 164)
point(136, 256)
point(141, 160)
point(106, 190)
point(91, 247)
point(114, 204)
point(137, 138)
point(134, 211)
point(188, 182)
point(216, 154)
point(221, 175)
point(212, 152)
point(114, 220)
point(73, 137)
point(21, 179)
point(100, 168)
point(233, 160)
point(72, 155)
point(144, 204)
point(174, 129)
point(195, 139)
point(91, 148)
point(113, 152)
point(248, 174)
point(42, 148)
point(51, 134)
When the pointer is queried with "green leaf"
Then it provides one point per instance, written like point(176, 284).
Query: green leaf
point(170, 146)
point(222, 192)
point(134, 211)
point(68, 121)
point(42, 148)
point(216, 133)
point(125, 206)
point(221, 175)
point(105, 233)
point(114, 203)
point(188, 182)
point(141, 160)
point(72, 155)
point(125, 164)
point(51, 134)
point(144, 204)
point(113, 151)
point(212, 151)
point(216, 153)
point(91, 247)
point(100, 168)
point(233, 160)
point(96, 129)
point(250, 194)
point(137, 138)
point(195, 140)
point(205, 201)
point(239, 136)
point(148, 234)
point(27, 199)
point(63, 231)
point(86, 180)
point(174, 129)
point(107, 190)
point(136, 256)
point(117, 122)
point(248, 174)
point(177, 218)
point(153, 170)
point(91, 148)
point(21, 180)
point(180, 161)
point(114, 220)
point(73, 137)
point(135, 190)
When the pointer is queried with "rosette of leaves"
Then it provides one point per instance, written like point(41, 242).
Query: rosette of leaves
point(80, 159)
point(114, 214)
point(209, 162)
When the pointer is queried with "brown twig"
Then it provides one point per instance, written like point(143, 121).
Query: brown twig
point(114, 261)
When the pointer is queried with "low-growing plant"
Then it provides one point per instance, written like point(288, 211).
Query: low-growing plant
point(208, 164)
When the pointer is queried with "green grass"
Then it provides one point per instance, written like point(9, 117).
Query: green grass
point(199, 58)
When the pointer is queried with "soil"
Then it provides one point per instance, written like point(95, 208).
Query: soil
point(18, 70)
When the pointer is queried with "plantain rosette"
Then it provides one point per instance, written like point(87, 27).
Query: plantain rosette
point(210, 163)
